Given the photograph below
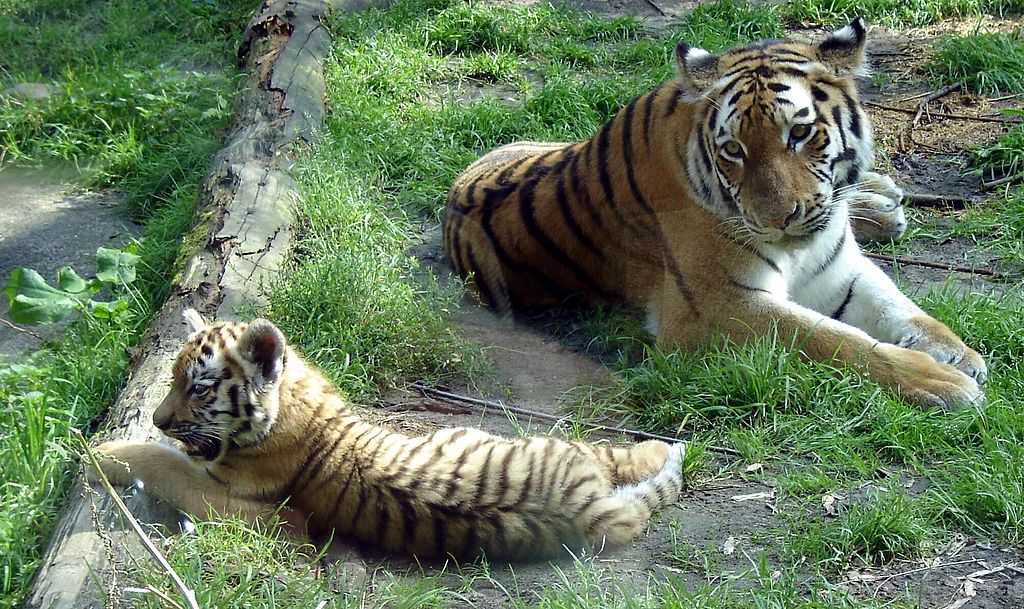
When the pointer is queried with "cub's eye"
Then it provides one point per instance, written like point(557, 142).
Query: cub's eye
point(733, 148)
point(198, 390)
point(799, 132)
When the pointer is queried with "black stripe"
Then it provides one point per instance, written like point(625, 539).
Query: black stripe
point(648, 112)
point(744, 286)
point(673, 101)
point(570, 219)
point(481, 481)
point(480, 281)
point(233, 396)
point(764, 258)
point(838, 314)
point(831, 256)
point(526, 211)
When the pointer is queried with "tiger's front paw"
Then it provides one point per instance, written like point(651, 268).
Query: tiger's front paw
point(919, 379)
point(876, 210)
point(113, 460)
point(934, 338)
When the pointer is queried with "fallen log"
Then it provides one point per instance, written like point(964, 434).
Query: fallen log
point(245, 205)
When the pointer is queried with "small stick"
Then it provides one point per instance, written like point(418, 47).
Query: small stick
point(927, 200)
point(934, 95)
point(20, 329)
point(1004, 180)
point(652, 4)
point(982, 119)
point(454, 397)
point(935, 265)
point(190, 596)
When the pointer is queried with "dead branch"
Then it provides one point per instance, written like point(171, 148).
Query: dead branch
point(935, 265)
point(934, 95)
point(653, 5)
point(455, 397)
point(190, 596)
point(928, 200)
point(1003, 180)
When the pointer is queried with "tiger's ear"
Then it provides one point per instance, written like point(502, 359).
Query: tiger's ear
point(194, 320)
point(843, 49)
point(697, 69)
point(263, 345)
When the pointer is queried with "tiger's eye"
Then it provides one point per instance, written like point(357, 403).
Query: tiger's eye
point(733, 148)
point(799, 132)
point(199, 390)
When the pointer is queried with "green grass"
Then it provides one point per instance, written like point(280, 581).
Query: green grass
point(990, 64)
point(142, 92)
point(402, 126)
point(885, 12)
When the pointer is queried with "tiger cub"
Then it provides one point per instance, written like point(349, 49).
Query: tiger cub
point(258, 426)
point(721, 201)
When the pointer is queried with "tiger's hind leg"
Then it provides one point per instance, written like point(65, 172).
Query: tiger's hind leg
point(628, 464)
point(876, 210)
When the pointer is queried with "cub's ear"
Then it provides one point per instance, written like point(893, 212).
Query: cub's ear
point(194, 320)
point(843, 49)
point(696, 68)
point(263, 345)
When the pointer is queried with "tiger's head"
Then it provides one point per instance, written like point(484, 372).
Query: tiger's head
point(778, 132)
point(223, 393)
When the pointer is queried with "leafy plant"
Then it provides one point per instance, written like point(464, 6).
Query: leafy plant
point(33, 301)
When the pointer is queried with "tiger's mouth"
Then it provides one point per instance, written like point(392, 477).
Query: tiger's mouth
point(200, 446)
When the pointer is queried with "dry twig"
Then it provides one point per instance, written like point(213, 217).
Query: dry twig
point(928, 200)
point(934, 95)
point(935, 265)
point(454, 397)
point(1003, 180)
point(190, 596)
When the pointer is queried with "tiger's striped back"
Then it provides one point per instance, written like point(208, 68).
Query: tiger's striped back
point(534, 223)
point(263, 427)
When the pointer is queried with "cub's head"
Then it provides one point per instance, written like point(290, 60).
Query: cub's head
point(778, 132)
point(224, 390)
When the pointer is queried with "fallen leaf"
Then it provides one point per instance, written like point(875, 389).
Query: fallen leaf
point(753, 467)
point(730, 546)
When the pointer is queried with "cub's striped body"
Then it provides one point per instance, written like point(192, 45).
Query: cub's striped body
point(261, 426)
point(729, 199)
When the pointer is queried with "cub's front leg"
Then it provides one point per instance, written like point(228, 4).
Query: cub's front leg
point(745, 314)
point(174, 477)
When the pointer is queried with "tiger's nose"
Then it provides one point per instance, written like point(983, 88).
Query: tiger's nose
point(784, 220)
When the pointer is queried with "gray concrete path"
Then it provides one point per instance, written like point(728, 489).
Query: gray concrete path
point(45, 224)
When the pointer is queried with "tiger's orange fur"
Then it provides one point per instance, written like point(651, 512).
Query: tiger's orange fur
point(721, 201)
point(260, 426)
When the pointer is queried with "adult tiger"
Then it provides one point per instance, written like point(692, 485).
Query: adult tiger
point(720, 201)
point(258, 425)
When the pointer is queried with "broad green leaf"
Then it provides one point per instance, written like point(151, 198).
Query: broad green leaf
point(33, 301)
point(31, 311)
point(69, 281)
point(115, 266)
point(107, 310)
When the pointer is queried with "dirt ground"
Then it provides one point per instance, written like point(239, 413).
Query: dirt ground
point(534, 368)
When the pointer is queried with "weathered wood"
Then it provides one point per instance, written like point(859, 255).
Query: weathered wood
point(245, 206)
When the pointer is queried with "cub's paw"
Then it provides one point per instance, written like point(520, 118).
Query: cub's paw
point(919, 379)
point(876, 212)
point(934, 338)
point(113, 460)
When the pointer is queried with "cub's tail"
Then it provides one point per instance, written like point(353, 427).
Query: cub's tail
point(621, 517)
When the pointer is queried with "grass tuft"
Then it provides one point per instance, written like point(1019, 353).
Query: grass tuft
point(986, 63)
